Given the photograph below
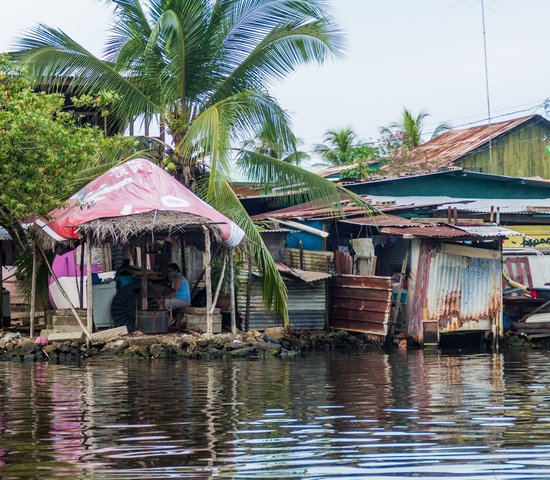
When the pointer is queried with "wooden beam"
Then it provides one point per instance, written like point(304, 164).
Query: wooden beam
point(208, 280)
point(233, 309)
point(32, 313)
point(89, 286)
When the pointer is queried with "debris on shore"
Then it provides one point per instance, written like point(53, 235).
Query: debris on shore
point(273, 342)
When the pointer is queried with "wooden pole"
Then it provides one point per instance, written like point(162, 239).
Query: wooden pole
point(89, 286)
point(81, 292)
point(248, 295)
point(1, 284)
point(144, 303)
point(208, 280)
point(233, 309)
point(32, 313)
point(395, 315)
point(64, 293)
point(219, 287)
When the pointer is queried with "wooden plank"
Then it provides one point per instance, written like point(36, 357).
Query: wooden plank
point(361, 294)
point(361, 305)
point(355, 315)
point(353, 281)
point(360, 326)
point(470, 252)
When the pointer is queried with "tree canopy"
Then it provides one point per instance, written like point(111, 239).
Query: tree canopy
point(202, 68)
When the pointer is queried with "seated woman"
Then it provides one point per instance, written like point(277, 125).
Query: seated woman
point(181, 297)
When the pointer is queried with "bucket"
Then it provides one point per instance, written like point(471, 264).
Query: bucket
point(152, 321)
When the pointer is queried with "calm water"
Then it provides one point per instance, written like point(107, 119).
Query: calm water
point(404, 415)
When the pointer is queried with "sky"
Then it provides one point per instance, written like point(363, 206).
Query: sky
point(423, 54)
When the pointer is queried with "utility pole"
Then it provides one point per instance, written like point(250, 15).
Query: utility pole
point(491, 166)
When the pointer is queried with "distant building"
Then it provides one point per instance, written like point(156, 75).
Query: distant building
point(519, 148)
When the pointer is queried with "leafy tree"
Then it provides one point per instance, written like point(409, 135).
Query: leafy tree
point(42, 149)
point(201, 68)
point(338, 147)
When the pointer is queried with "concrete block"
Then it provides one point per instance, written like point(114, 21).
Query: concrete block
point(64, 336)
point(198, 310)
point(108, 335)
point(197, 323)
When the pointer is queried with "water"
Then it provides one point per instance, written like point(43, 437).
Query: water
point(405, 415)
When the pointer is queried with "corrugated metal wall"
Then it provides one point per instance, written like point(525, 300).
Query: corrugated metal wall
point(463, 289)
point(360, 304)
point(307, 305)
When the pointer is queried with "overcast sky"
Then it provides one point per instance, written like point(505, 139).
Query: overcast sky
point(423, 54)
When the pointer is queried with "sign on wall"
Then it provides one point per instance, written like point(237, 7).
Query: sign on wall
point(533, 236)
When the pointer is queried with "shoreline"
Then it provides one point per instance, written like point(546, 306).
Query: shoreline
point(273, 342)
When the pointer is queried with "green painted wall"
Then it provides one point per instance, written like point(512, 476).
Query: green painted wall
point(522, 153)
point(451, 185)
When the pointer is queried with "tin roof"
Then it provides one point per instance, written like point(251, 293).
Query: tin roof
point(452, 145)
point(305, 276)
point(442, 230)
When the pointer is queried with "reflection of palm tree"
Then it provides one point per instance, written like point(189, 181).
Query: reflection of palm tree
point(411, 128)
point(338, 147)
point(201, 68)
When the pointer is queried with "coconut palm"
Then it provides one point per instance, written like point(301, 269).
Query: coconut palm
point(338, 147)
point(201, 69)
point(411, 128)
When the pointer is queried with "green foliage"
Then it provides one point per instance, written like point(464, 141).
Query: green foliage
point(399, 140)
point(338, 147)
point(41, 148)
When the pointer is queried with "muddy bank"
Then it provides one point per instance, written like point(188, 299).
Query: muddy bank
point(271, 343)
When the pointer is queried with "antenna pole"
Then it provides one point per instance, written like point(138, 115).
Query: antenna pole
point(491, 166)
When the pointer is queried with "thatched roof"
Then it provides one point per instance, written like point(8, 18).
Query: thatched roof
point(122, 229)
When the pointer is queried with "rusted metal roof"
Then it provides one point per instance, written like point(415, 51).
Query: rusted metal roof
point(427, 231)
point(452, 145)
point(382, 221)
point(327, 172)
point(305, 276)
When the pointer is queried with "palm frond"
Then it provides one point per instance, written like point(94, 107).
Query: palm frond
point(220, 195)
point(53, 60)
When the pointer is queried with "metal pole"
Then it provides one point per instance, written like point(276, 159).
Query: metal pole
point(89, 294)
point(487, 84)
point(232, 293)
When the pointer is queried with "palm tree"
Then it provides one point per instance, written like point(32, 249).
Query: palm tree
point(201, 69)
point(338, 147)
point(411, 128)
point(266, 145)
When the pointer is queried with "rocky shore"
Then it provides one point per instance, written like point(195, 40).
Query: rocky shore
point(270, 343)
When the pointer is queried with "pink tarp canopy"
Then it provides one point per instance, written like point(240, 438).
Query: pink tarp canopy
point(137, 186)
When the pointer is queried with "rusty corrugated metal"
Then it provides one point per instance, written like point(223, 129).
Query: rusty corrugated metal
point(313, 261)
point(454, 144)
point(305, 276)
point(463, 289)
point(360, 304)
point(428, 231)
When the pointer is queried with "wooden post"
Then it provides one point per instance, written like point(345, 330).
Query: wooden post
point(395, 315)
point(81, 292)
point(32, 313)
point(1, 284)
point(89, 286)
point(220, 282)
point(208, 280)
point(232, 293)
point(144, 302)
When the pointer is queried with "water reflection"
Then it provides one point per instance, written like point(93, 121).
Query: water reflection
point(404, 415)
